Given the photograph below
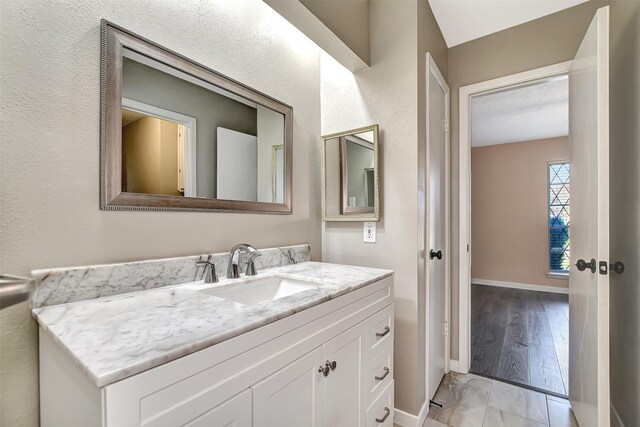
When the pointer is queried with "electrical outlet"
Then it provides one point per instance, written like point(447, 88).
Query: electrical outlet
point(369, 232)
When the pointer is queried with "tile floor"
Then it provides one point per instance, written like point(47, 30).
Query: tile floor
point(472, 401)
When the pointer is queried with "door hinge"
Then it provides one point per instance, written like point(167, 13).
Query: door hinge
point(467, 247)
point(446, 125)
point(445, 328)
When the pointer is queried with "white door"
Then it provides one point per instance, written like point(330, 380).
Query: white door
point(236, 166)
point(437, 256)
point(589, 291)
point(292, 397)
point(343, 387)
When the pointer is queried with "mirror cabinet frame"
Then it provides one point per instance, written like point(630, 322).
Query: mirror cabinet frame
point(114, 40)
point(356, 214)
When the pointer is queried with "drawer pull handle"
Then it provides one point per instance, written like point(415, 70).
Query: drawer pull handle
point(386, 372)
point(381, 420)
point(386, 331)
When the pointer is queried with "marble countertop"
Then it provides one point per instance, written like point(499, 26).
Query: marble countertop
point(113, 338)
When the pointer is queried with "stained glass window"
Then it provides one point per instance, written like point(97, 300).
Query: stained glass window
point(559, 241)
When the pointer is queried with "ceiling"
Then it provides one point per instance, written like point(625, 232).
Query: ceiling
point(526, 113)
point(464, 20)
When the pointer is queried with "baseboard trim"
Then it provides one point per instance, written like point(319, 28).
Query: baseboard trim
point(454, 365)
point(405, 419)
point(525, 286)
point(615, 417)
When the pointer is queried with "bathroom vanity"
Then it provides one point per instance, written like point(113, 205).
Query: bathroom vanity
point(306, 344)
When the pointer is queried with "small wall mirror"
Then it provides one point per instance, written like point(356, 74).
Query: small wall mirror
point(351, 176)
point(179, 136)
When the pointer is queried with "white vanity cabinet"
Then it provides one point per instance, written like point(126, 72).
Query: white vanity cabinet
point(234, 412)
point(292, 396)
point(272, 376)
point(344, 387)
point(300, 394)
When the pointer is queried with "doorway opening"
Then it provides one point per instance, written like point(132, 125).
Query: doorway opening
point(515, 242)
point(158, 150)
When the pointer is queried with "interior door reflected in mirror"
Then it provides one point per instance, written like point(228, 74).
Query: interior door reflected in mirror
point(178, 135)
point(351, 175)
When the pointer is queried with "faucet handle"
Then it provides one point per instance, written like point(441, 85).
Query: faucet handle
point(209, 275)
point(251, 267)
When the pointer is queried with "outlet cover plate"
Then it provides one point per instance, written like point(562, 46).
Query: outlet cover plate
point(369, 232)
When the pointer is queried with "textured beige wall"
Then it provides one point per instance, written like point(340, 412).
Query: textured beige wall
point(388, 93)
point(545, 41)
point(510, 211)
point(49, 153)
point(625, 207)
point(347, 19)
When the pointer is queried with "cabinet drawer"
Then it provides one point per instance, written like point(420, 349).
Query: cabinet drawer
point(378, 332)
point(380, 413)
point(379, 374)
point(236, 412)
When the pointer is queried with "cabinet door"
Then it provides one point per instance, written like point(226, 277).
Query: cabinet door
point(344, 387)
point(292, 397)
point(234, 412)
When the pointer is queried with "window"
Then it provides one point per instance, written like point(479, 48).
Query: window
point(559, 217)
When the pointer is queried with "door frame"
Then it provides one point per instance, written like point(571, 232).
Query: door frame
point(432, 70)
point(464, 181)
point(190, 142)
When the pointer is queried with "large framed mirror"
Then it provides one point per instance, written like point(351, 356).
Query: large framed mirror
point(176, 135)
point(351, 170)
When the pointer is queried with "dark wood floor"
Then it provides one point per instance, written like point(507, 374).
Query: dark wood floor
point(521, 337)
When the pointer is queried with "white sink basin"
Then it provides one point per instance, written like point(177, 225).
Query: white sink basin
point(260, 289)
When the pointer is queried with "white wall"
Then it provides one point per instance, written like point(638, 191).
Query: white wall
point(386, 94)
point(389, 93)
point(49, 154)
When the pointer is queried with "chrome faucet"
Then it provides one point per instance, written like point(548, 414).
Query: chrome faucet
point(209, 275)
point(234, 260)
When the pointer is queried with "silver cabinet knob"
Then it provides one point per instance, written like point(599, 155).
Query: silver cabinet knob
point(324, 370)
point(332, 365)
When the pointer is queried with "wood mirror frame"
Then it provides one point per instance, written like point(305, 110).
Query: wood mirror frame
point(114, 39)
